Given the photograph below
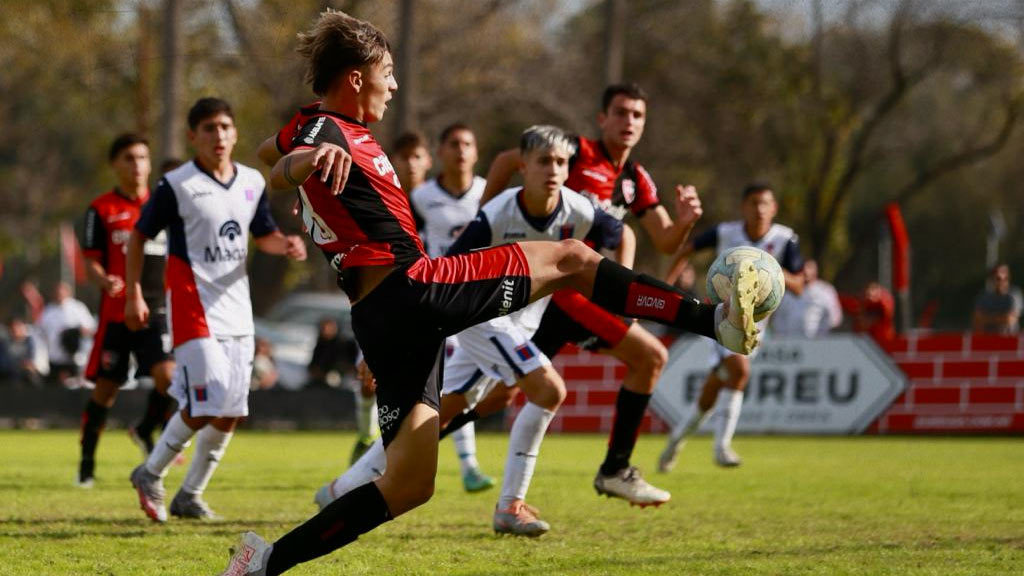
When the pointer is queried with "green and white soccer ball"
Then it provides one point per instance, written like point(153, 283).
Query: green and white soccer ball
point(771, 284)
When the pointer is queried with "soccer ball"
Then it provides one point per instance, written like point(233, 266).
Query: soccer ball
point(771, 285)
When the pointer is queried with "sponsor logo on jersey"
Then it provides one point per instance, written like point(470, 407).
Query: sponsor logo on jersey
point(311, 137)
point(218, 254)
point(201, 194)
point(119, 237)
point(231, 228)
point(508, 286)
point(361, 139)
point(336, 261)
point(383, 165)
point(613, 210)
point(514, 234)
point(119, 217)
point(594, 175)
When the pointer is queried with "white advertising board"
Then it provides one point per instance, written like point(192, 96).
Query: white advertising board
point(831, 385)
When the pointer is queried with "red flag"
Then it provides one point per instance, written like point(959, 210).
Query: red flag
point(900, 248)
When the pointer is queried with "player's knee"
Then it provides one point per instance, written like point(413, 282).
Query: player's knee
point(419, 492)
point(574, 256)
point(737, 369)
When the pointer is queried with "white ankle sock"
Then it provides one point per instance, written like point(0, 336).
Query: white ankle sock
point(368, 468)
point(174, 439)
point(465, 447)
point(210, 447)
point(366, 415)
point(727, 415)
point(523, 448)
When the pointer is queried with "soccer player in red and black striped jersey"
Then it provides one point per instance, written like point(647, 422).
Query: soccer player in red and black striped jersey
point(603, 171)
point(108, 224)
point(405, 304)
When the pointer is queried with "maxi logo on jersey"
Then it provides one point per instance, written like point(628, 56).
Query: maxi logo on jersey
point(230, 230)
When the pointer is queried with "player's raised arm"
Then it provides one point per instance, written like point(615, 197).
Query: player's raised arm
point(504, 166)
point(667, 234)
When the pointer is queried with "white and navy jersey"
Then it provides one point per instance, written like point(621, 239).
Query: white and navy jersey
point(780, 241)
point(208, 225)
point(504, 220)
point(444, 216)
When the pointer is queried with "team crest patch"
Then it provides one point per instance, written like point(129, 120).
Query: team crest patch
point(250, 194)
point(200, 393)
point(565, 232)
point(628, 191)
point(524, 352)
point(108, 359)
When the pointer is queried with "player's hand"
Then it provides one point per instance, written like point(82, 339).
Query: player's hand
point(136, 313)
point(113, 285)
point(295, 248)
point(367, 383)
point(332, 160)
point(688, 207)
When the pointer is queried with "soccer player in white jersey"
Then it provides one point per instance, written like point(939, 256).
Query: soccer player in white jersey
point(209, 207)
point(443, 206)
point(500, 350)
point(724, 386)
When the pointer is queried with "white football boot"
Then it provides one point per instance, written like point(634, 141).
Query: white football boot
point(150, 489)
point(734, 320)
point(249, 558)
point(727, 458)
point(630, 485)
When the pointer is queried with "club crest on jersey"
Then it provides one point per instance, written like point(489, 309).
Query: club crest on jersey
point(524, 352)
point(565, 232)
point(200, 393)
point(108, 359)
point(628, 191)
point(250, 194)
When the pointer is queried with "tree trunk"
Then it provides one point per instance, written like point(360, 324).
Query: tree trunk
point(172, 122)
point(614, 40)
point(405, 113)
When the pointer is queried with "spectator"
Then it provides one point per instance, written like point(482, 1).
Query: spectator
point(34, 302)
point(17, 360)
point(264, 371)
point(997, 309)
point(874, 314)
point(64, 323)
point(332, 355)
point(813, 313)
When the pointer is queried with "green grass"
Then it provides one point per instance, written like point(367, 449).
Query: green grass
point(797, 506)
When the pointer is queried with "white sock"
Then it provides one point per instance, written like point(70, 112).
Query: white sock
point(210, 447)
point(368, 468)
point(366, 415)
point(174, 439)
point(523, 448)
point(727, 414)
point(465, 447)
point(686, 428)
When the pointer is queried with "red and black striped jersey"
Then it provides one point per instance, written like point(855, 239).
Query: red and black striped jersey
point(108, 224)
point(614, 189)
point(370, 223)
point(286, 135)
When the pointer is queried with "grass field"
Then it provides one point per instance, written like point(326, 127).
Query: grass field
point(797, 506)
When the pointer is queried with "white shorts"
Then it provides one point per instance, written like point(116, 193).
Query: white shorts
point(212, 376)
point(499, 351)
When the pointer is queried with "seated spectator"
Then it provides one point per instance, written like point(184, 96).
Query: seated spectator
point(997, 309)
point(332, 355)
point(264, 371)
point(813, 313)
point(65, 322)
point(18, 357)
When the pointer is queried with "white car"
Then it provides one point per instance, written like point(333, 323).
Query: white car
point(291, 327)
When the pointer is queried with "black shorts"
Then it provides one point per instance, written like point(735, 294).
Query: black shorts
point(114, 343)
point(402, 324)
point(571, 318)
